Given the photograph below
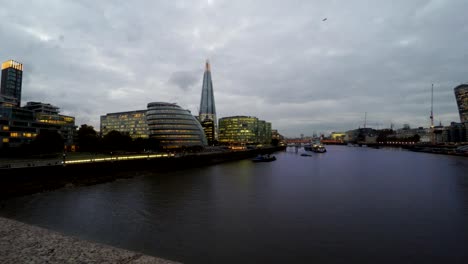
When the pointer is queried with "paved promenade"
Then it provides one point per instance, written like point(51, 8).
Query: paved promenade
point(22, 243)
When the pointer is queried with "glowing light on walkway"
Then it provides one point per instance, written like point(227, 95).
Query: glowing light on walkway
point(120, 158)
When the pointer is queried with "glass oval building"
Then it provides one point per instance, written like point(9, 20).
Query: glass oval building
point(174, 127)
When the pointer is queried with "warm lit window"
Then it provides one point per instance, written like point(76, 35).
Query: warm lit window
point(6, 128)
point(14, 134)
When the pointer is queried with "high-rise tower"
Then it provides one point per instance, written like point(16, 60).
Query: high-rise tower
point(12, 76)
point(461, 95)
point(207, 105)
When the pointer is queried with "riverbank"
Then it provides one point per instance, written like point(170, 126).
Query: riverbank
point(24, 180)
point(453, 150)
point(22, 243)
point(445, 150)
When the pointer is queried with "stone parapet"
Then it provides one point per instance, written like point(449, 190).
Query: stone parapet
point(22, 243)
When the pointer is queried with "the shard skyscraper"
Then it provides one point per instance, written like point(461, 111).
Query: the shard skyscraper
point(207, 114)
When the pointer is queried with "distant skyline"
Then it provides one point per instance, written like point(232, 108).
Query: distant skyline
point(279, 61)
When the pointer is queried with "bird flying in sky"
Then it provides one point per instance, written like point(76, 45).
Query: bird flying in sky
point(325, 19)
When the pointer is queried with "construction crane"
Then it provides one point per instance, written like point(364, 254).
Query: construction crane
point(432, 115)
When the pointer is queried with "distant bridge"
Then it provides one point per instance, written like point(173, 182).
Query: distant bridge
point(295, 141)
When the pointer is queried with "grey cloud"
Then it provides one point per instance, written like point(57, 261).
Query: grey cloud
point(184, 79)
point(272, 59)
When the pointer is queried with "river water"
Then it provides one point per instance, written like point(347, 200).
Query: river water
point(349, 205)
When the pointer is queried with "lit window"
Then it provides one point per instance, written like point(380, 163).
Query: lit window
point(5, 140)
point(6, 128)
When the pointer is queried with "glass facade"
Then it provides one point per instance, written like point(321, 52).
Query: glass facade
point(19, 126)
point(241, 130)
point(261, 131)
point(12, 76)
point(461, 95)
point(48, 114)
point(237, 130)
point(268, 135)
point(66, 125)
point(174, 127)
point(38, 107)
point(209, 128)
point(207, 103)
point(7, 101)
point(132, 123)
point(276, 135)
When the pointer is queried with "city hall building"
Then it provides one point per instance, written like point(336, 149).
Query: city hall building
point(174, 127)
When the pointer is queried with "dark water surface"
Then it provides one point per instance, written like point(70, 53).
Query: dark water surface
point(349, 205)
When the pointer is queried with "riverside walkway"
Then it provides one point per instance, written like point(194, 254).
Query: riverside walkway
point(82, 158)
point(22, 243)
point(77, 158)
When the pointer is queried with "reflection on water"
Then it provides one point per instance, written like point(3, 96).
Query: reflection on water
point(347, 205)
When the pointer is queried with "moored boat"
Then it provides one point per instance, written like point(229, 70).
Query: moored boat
point(318, 148)
point(264, 158)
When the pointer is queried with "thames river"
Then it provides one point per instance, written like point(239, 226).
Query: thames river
point(349, 205)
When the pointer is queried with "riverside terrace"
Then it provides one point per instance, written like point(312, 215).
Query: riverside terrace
point(26, 177)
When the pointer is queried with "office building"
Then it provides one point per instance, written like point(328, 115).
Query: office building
point(12, 76)
point(461, 95)
point(132, 123)
point(268, 133)
point(7, 101)
point(20, 125)
point(243, 130)
point(42, 108)
point(338, 136)
point(50, 115)
point(207, 102)
point(238, 130)
point(454, 133)
point(209, 127)
point(17, 126)
point(263, 132)
point(173, 127)
point(276, 135)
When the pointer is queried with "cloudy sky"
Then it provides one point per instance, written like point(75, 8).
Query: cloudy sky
point(277, 60)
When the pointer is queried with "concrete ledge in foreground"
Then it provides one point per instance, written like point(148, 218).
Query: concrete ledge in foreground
point(22, 243)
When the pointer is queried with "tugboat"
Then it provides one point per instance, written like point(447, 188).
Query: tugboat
point(264, 158)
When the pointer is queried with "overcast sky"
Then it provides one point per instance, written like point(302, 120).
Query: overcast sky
point(276, 60)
